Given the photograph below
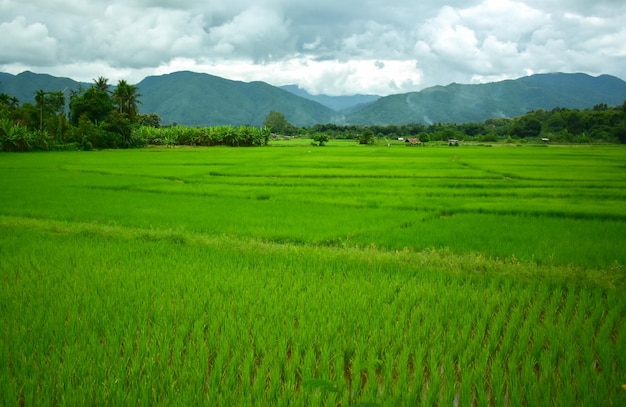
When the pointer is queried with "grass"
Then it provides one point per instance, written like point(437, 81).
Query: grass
point(313, 276)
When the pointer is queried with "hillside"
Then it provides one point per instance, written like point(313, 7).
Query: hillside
point(23, 86)
point(190, 98)
point(201, 99)
point(457, 103)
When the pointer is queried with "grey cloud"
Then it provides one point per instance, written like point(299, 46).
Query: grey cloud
point(130, 39)
point(28, 43)
point(257, 32)
point(343, 44)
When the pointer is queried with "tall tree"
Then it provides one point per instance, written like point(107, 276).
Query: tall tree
point(526, 126)
point(9, 101)
point(102, 83)
point(277, 123)
point(127, 98)
point(40, 99)
point(94, 103)
point(8, 105)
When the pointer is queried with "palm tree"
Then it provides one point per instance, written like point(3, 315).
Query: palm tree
point(102, 83)
point(9, 101)
point(40, 98)
point(127, 97)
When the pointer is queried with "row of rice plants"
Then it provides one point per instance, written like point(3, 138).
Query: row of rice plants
point(234, 136)
point(110, 315)
point(175, 190)
point(589, 243)
point(280, 324)
point(601, 164)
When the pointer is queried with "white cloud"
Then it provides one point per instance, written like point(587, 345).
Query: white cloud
point(504, 19)
point(257, 32)
point(374, 40)
point(26, 43)
point(355, 76)
point(488, 40)
point(149, 38)
point(325, 46)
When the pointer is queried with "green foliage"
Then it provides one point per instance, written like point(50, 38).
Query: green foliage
point(366, 136)
point(150, 120)
point(14, 137)
point(175, 97)
point(94, 121)
point(424, 137)
point(116, 123)
point(85, 133)
point(445, 133)
point(126, 97)
point(94, 103)
point(619, 132)
point(120, 128)
point(458, 103)
point(278, 124)
point(241, 136)
point(196, 99)
point(8, 102)
point(49, 104)
point(601, 124)
point(526, 126)
point(320, 138)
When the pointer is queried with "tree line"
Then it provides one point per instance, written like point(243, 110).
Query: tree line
point(97, 117)
point(103, 116)
point(600, 124)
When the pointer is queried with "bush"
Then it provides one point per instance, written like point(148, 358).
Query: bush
point(243, 136)
point(15, 137)
point(320, 138)
point(366, 137)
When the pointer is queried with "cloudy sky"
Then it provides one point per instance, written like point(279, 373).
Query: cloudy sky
point(325, 46)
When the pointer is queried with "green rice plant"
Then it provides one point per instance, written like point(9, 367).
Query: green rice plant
point(157, 276)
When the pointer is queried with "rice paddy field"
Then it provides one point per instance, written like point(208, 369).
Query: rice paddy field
point(314, 276)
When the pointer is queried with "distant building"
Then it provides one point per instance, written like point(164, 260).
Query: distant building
point(413, 142)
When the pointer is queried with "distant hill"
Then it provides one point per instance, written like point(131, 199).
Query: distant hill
point(190, 98)
point(338, 103)
point(457, 103)
point(201, 99)
point(5, 76)
point(25, 85)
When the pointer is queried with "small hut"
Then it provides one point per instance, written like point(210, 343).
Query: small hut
point(413, 142)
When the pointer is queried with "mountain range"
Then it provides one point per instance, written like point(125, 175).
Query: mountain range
point(196, 99)
point(458, 103)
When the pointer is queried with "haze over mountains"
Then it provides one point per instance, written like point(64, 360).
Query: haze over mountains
point(201, 99)
point(338, 103)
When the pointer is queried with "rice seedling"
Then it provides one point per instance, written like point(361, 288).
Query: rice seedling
point(347, 275)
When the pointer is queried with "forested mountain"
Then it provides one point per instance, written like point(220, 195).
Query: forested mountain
point(23, 86)
point(190, 98)
point(457, 103)
point(200, 99)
